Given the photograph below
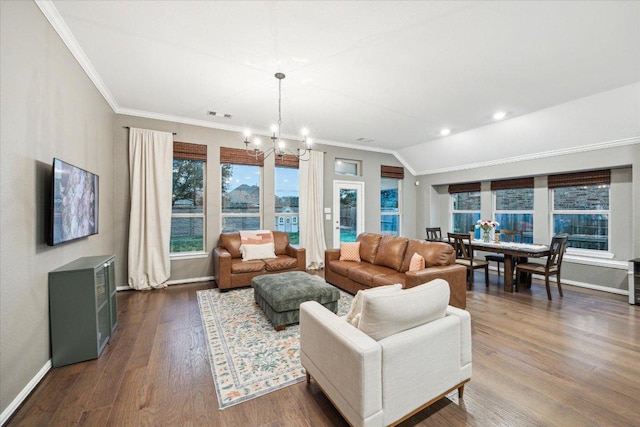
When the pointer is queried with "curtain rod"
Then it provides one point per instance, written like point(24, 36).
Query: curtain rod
point(128, 127)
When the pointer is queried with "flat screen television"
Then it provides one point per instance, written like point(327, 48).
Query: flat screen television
point(74, 203)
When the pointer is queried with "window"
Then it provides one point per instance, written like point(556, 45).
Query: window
point(513, 206)
point(347, 167)
point(580, 208)
point(287, 201)
point(390, 197)
point(465, 207)
point(188, 200)
point(241, 198)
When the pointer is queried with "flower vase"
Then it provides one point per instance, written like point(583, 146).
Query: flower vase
point(486, 236)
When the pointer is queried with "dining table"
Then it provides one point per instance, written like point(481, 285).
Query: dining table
point(511, 251)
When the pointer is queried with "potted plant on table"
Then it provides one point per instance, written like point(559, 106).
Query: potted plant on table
point(486, 225)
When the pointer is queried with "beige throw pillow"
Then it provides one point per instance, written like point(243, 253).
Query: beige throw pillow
point(350, 251)
point(386, 315)
point(353, 316)
point(253, 252)
point(417, 262)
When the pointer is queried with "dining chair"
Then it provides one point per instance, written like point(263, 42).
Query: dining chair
point(552, 267)
point(434, 234)
point(463, 248)
point(507, 236)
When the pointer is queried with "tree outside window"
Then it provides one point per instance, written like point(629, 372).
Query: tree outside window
point(187, 208)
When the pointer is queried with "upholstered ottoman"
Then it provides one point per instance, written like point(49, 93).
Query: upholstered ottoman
point(280, 295)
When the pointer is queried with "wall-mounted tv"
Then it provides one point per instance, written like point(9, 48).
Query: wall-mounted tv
point(74, 203)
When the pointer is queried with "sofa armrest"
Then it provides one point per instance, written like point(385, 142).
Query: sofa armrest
point(300, 254)
point(331, 255)
point(465, 333)
point(344, 361)
point(222, 267)
point(455, 274)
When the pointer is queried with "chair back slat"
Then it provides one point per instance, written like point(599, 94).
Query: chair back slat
point(461, 245)
point(556, 251)
point(434, 234)
point(511, 236)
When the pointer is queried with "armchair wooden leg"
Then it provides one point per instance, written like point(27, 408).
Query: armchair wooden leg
point(308, 378)
point(461, 391)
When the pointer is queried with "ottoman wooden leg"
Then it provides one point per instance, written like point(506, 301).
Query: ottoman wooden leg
point(281, 328)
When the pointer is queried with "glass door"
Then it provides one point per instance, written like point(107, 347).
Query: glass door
point(348, 211)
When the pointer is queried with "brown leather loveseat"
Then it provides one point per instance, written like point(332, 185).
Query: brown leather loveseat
point(385, 260)
point(230, 271)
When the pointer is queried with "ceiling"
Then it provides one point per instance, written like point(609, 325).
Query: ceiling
point(392, 73)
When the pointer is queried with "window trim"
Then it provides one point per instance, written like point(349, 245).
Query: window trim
point(496, 211)
point(357, 163)
point(260, 198)
point(580, 252)
point(194, 152)
point(399, 213)
point(456, 190)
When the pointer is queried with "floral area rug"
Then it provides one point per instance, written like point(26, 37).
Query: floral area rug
point(248, 357)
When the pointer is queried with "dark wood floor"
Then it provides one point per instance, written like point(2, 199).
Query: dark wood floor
point(568, 362)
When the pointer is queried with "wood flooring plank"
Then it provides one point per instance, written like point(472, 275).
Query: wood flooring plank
point(569, 361)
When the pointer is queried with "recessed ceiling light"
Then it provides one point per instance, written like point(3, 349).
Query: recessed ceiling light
point(445, 132)
point(499, 115)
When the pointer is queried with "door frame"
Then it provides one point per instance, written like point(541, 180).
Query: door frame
point(335, 222)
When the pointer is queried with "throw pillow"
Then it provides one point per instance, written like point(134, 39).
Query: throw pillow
point(253, 252)
point(350, 251)
point(417, 263)
point(353, 316)
point(255, 237)
point(383, 316)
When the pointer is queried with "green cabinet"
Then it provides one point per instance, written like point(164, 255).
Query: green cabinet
point(83, 310)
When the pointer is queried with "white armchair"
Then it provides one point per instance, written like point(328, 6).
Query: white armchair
point(383, 381)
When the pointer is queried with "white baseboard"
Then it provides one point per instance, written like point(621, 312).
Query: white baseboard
point(580, 284)
point(172, 282)
point(15, 404)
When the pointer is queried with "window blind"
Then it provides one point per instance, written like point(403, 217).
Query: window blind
point(464, 188)
point(580, 178)
point(287, 161)
point(188, 151)
point(239, 156)
point(510, 184)
point(392, 172)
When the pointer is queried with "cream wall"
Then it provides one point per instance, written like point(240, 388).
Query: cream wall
point(48, 108)
point(185, 269)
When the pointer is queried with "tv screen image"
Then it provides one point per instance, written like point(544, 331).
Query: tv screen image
point(74, 205)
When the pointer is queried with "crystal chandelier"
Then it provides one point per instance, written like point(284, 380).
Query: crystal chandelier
point(278, 146)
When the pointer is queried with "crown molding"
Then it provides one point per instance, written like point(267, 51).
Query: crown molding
point(58, 24)
point(233, 128)
point(535, 156)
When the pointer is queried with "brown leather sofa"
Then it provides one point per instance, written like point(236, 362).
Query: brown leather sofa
point(385, 261)
point(230, 271)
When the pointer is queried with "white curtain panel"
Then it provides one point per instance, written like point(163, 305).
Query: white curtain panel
point(311, 207)
point(150, 183)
